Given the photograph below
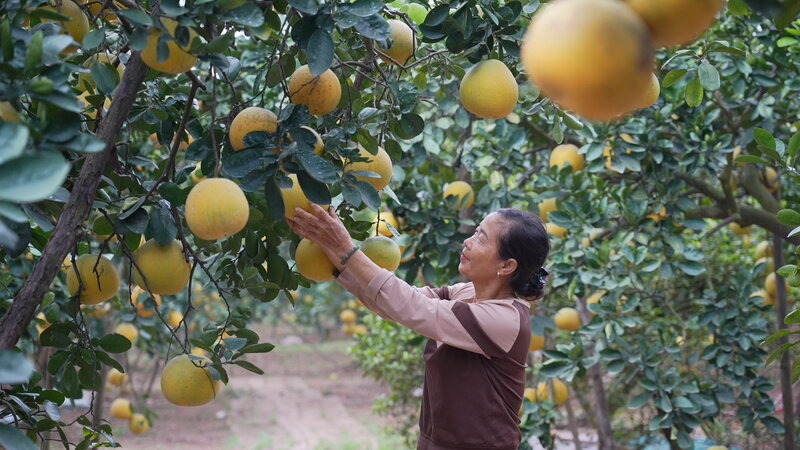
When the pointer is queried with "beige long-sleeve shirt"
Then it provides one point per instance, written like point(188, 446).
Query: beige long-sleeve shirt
point(429, 311)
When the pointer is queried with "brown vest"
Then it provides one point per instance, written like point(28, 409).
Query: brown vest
point(469, 401)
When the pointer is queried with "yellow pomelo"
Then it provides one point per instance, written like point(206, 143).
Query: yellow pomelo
point(530, 394)
point(382, 251)
point(128, 330)
point(555, 230)
point(188, 382)
point(592, 56)
point(8, 113)
point(560, 391)
point(771, 179)
point(321, 94)
point(676, 22)
point(312, 262)
point(387, 217)
point(547, 206)
point(294, 197)
point(139, 424)
point(141, 307)
point(661, 215)
point(567, 319)
point(763, 249)
point(179, 60)
point(96, 5)
point(766, 298)
point(174, 319)
point(96, 311)
point(649, 96)
point(347, 316)
point(216, 208)
point(85, 78)
point(76, 24)
point(249, 120)
point(349, 328)
point(379, 163)
point(116, 377)
point(567, 153)
point(738, 229)
point(769, 264)
point(360, 329)
point(90, 109)
point(402, 46)
point(537, 343)
point(199, 351)
point(319, 144)
point(99, 276)
point(489, 90)
point(771, 285)
point(161, 269)
point(462, 190)
point(121, 408)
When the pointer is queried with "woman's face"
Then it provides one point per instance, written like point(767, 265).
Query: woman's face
point(480, 259)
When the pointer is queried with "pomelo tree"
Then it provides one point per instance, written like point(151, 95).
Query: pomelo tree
point(161, 137)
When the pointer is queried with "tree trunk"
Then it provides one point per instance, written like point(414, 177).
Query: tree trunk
point(786, 363)
point(67, 230)
point(573, 426)
point(603, 414)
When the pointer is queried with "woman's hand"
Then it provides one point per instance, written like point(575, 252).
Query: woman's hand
point(325, 229)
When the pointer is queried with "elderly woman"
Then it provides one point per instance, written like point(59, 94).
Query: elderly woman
point(479, 332)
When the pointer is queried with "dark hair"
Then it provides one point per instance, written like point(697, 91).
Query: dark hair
point(526, 240)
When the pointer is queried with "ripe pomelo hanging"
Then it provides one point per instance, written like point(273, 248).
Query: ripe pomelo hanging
point(294, 197)
point(178, 60)
point(402, 46)
point(312, 262)
point(489, 90)
point(382, 251)
point(567, 153)
point(161, 269)
point(676, 22)
point(216, 208)
point(187, 381)
point(321, 94)
point(379, 163)
point(249, 120)
point(99, 276)
point(462, 190)
point(592, 56)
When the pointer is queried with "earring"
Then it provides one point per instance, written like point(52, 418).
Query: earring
point(498, 274)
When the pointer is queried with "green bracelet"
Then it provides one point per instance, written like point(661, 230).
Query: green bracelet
point(349, 254)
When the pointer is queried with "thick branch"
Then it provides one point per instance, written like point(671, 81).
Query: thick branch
point(76, 211)
point(753, 185)
point(748, 216)
point(701, 186)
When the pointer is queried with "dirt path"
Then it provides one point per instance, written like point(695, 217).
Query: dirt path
point(311, 397)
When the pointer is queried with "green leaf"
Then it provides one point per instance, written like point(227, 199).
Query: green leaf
point(11, 437)
point(368, 194)
point(764, 138)
point(93, 39)
point(106, 359)
point(794, 145)
point(84, 143)
point(709, 77)
point(673, 76)
point(105, 77)
point(773, 425)
point(90, 378)
point(56, 335)
point(173, 193)
point(161, 225)
point(249, 366)
point(363, 8)
point(137, 16)
point(31, 178)
point(320, 52)
point(374, 27)
point(437, 15)
point(306, 6)
point(640, 400)
point(789, 217)
point(14, 138)
point(694, 93)
point(15, 368)
point(786, 270)
point(554, 368)
point(793, 317)
point(318, 167)
point(263, 347)
point(115, 343)
point(33, 55)
point(750, 159)
point(317, 192)
point(409, 126)
point(251, 15)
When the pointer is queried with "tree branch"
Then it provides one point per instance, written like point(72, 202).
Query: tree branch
point(76, 211)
